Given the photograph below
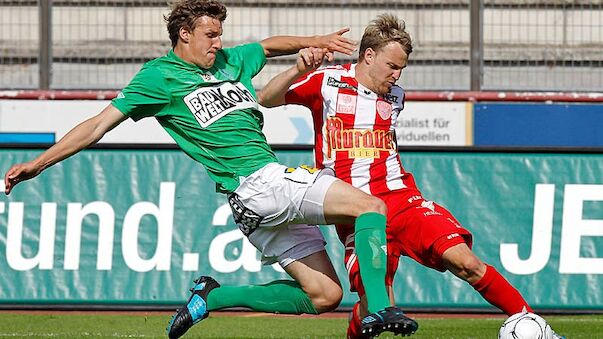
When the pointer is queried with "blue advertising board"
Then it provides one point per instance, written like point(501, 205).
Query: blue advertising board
point(538, 124)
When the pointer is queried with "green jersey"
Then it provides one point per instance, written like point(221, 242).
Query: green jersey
point(212, 114)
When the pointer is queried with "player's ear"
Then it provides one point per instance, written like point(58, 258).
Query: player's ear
point(184, 33)
point(369, 55)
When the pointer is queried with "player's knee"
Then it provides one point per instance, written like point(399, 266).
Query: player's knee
point(329, 301)
point(471, 269)
point(462, 262)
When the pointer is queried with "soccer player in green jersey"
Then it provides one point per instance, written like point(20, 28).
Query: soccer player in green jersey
point(203, 97)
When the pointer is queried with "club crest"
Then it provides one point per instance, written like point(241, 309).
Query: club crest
point(384, 109)
point(208, 77)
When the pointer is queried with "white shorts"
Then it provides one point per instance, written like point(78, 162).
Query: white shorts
point(278, 208)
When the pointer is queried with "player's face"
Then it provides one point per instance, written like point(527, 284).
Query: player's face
point(386, 67)
point(206, 41)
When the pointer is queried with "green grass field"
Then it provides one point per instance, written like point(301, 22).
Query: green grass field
point(69, 325)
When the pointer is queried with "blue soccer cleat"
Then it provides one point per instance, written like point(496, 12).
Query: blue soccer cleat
point(195, 309)
point(557, 336)
point(390, 319)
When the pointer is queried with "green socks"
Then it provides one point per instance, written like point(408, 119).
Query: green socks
point(286, 296)
point(371, 249)
point(280, 296)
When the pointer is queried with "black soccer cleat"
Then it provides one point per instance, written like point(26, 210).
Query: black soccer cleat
point(390, 319)
point(195, 309)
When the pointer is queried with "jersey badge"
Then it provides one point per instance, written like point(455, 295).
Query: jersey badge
point(384, 109)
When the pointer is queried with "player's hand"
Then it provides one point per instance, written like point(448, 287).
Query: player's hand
point(335, 42)
point(18, 173)
point(311, 58)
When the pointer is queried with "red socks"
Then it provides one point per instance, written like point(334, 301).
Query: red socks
point(499, 292)
point(493, 287)
point(355, 327)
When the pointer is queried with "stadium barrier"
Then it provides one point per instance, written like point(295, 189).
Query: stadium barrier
point(133, 227)
point(492, 119)
point(111, 227)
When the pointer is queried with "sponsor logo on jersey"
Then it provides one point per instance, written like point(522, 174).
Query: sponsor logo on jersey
point(431, 207)
point(359, 143)
point(208, 77)
point(209, 104)
point(391, 98)
point(346, 104)
point(414, 198)
point(452, 236)
point(339, 84)
point(428, 204)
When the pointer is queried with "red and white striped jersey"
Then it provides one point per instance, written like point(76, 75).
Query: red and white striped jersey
point(354, 128)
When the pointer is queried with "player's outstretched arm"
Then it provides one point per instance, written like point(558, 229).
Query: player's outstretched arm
point(284, 45)
point(81, 136)
point(308, 59)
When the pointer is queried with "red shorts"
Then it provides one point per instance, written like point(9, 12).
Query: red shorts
point(417, 228)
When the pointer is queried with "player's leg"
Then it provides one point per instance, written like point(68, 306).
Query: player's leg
point(346, 236)
point(445, 245)
point(355, 327)
point(281, 296)
point(485, 279)
point(297, 248)
point(462, 262)
point(348, 205)
point(359, 312)
point(318, 279)
point(267, 199)
point(316, 289)
point(354, 330)
point(330, 200)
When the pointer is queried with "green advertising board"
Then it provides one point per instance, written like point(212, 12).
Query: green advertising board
point(133, 227)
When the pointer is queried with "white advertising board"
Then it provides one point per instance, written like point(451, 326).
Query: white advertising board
point(421, 123)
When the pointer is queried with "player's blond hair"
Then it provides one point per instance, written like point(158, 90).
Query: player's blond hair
point(185, 13)
point(383, 30)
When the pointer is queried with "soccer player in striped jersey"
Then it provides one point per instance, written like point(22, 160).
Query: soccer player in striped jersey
point(355, 107)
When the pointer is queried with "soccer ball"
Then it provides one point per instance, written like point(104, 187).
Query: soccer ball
point(525, 326)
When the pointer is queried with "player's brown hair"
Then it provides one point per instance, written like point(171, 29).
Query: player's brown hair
point(186, 12)
point(383, 30)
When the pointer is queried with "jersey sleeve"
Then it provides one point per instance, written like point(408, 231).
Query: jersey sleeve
point(144, 96)
point(305, 90)
point(250, 56)
point(397, 97)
